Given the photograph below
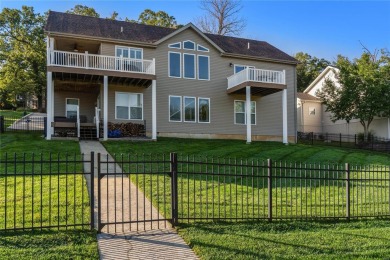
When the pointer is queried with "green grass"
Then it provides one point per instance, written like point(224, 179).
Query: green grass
point(257, 150)
point(247, 197)
point(44, 199)
point(48, 245)
point(11, 113)
point(289, 240)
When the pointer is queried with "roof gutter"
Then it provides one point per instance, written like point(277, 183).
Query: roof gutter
point(224, 54)
point(115, 41)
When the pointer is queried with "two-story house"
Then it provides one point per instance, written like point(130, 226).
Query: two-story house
point(181, 82)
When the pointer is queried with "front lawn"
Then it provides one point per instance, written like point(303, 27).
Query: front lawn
point(257, 150)
point(46, 196)
point(48, 245)
point(289, 240)
point(202, 196)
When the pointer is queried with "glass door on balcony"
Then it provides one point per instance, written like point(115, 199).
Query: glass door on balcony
point(132, 59)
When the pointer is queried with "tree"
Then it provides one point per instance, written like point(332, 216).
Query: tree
point(159, 18)
point(22, 54)
point(364, 89)
point(221, 17)
point(83, 10)
point(308, 69)
point(113, 16)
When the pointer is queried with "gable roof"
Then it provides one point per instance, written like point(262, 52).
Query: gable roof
point(319, 77)
point(305, 96)
point(72, 24)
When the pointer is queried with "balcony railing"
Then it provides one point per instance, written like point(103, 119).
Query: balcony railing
point(257, 75)
point(100, 62)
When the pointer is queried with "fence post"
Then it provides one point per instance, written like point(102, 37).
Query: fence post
point(340, 139)
point(174, 196)
point(1, 124)
point(44, 126)
point(92, 194)
point(312, 138)
point(269, 162)
point(347, 186)
point(355, 139)
point(99, 217)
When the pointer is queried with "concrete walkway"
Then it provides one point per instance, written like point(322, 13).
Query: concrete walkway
point(143, 240)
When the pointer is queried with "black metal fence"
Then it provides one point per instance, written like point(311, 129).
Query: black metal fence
point(350, 141)
point(45, 191)
point(27, 123)
point(187, 189)
point(137, 192)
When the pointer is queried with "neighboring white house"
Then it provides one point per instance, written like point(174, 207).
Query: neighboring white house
point(311, 115)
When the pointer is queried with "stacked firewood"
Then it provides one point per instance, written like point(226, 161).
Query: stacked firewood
point(127, 129)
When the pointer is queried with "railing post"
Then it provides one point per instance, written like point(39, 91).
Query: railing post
point(86, 60)
point(348, 195)
point(99, 204)
point(92, 194)
point(269, 163)
point(174, 196)
point(1, 124)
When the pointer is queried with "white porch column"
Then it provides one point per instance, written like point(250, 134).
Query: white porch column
point(105, 108)
point(284, 101)
point(248, 115)
point(49, 105)
point(154, 111)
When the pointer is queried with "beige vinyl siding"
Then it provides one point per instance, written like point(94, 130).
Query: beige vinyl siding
point(109, 49)
point(268, 109)
point(87, 103)
point(310, 123)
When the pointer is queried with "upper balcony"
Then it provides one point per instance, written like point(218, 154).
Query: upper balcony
point(94, 64)
point(262, 82)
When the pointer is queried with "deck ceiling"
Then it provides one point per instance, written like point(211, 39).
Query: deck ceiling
point(91, 79)
point(257, 88)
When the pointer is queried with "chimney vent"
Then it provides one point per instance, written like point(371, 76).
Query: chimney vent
point(249, 45)
point(121, 29)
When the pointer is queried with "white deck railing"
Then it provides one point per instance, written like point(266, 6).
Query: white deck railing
point(257, 75)
point(100, 62)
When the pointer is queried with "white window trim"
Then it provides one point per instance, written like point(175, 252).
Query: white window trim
point(66, 103)
point(184, 112)
point(169, 64)
point(188, 48)
point(199, 98)
point(239, 65)
point(197, 48)
point(142, 100)
point(181, 109)
point(234, 110)
point(184, 54)
point(127, 47)
point(197, 66)
point(170, 45)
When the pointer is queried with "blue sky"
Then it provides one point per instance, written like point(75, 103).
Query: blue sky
point(320, 28)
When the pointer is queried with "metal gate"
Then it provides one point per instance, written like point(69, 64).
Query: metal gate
point(135, 192)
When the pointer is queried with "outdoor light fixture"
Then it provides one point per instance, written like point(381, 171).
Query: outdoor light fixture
point(75, 48)
point(231, 64)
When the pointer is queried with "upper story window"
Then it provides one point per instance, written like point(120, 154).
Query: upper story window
point(189, 45)
point(202, 48)
point(238, 68)
point(129, 52)
point(176, 45)
point(174, 62)
point(203, 67)
point(192, 66)
point(189, 66)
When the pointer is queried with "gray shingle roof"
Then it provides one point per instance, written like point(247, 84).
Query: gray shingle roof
point(111, 29)
point(305, 96)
